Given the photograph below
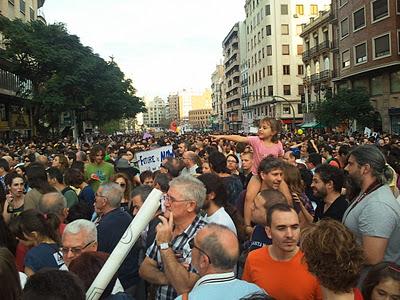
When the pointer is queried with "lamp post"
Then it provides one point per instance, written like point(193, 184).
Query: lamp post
point(291, 107)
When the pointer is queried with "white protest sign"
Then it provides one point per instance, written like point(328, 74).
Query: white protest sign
point(151, 160)
point(367, 131)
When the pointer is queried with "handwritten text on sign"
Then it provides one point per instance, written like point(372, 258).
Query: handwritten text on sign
point(151, 160)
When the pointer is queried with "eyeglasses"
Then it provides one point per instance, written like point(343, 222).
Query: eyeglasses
point(173, 200)
point(192, 245)
point(75, 250)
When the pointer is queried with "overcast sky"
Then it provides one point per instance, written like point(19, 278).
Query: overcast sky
point(162, 45)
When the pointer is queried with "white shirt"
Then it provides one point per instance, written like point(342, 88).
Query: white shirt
point(221, 217)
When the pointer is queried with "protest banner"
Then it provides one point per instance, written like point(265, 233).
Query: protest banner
point(132, 233)
point(151, 159)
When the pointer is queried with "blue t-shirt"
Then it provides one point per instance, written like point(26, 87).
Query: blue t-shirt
point(44, 256)
point(87, 196)
point(259, 238)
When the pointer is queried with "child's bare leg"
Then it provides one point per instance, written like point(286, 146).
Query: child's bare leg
point(253, 188)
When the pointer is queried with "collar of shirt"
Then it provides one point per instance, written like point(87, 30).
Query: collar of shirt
point(215, 278)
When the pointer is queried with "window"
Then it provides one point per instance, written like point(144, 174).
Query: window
point(300, 69)
point(360, 53)
point(268, 30)
point(398, 6)
point(377, 85)
point(343, 2)
point(314, 9)
point(344, 28)
point(269, 70)
point(286, 109)
point(22, 6)
point(299, 49)
point(269, 50)
point(270, 90)
point(299, 29)
point(286, 69)
point(267, 10)
point(345, 59)
point(11, 2)
point(300, 9)
point(284, 9)
point(398, 41)
point(285, 49)
point(379, 9)
point(381, 46)
point(286, 89)
point(285, 29)
point(301, 89)
point(299, 108)
point(359, 19)
point(395, 82)
point(263, 71)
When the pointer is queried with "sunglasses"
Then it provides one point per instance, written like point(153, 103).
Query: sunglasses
point(192, 245)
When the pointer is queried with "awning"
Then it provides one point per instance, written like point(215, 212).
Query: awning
point(311, 125)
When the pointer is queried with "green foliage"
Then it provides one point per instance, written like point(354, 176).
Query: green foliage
point(66, 75)
point(344, 107)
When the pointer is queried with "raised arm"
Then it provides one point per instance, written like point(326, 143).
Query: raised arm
point(233, 138)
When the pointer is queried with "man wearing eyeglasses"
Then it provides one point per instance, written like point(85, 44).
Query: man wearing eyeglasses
point(78, 237)
point(215, 252)
point(167, 262)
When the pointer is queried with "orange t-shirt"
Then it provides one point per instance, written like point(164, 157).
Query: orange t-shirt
point(283, 280)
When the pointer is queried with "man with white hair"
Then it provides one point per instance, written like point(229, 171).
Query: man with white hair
point(167, 259)
point(112, 225)
point(190, 161)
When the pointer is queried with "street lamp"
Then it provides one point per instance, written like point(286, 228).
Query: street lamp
point(274, 101)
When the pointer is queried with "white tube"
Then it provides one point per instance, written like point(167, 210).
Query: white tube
point(132, 233)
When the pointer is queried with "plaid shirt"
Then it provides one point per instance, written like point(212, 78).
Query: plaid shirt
point(180, 244)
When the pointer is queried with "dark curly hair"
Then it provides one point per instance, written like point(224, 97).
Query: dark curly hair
point(332, 255)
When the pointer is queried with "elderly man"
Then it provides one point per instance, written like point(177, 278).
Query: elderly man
point(374, 216)
point(215, 252)
point(54, 203)
point(167, 259)
point(111, 227)
point(190, 162)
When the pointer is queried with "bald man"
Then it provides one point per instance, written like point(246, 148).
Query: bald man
point(190, 161)
point(215, 252)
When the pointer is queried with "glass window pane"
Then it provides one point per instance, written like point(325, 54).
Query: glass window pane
point(377, 85)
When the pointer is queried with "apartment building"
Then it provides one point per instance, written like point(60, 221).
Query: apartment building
point(200, 118)
point(232, 79)
point(155, 115)
point(218, 114)
point(367, 54)
point(173, 104)
point(318, 61)
point(274, 56)
point(15, 119)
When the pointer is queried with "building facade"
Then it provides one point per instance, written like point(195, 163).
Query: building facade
point(155, 115)
point(200, 118)
point(274, 53)
point(232, 79)
point(173, 104)
point(15, 116)
point(218, 115)
point(367, 54)
point(318, 59)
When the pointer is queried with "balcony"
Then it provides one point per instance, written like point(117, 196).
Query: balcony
point(315, 78)
point(314, 51)
point(306, 55)
point(325, 75)
point(325, 45)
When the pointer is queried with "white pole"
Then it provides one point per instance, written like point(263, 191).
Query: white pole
point(132, 233)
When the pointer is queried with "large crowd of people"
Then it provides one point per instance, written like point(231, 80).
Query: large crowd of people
point(275, 215)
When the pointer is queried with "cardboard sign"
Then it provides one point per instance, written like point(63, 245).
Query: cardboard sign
point(151, 160)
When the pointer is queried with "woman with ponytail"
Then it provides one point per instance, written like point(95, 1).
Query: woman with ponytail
point(40, 232)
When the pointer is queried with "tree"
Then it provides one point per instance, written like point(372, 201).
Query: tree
point(345, 107)
point(65, 75)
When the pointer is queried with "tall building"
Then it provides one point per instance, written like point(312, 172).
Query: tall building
point(155, 115)
point(173, 104)
point(274, 51)
point(217, 98)
point(318, 61)
point(232, 79)
point(200, 118)
point(15, 116)
point(367, 48)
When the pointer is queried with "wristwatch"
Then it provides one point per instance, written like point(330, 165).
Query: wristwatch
point(164, 246)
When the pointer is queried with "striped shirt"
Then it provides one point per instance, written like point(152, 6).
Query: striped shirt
point(180, 245)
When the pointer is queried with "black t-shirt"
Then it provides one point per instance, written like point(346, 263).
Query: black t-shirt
point(259, 238)
point(335, 211)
